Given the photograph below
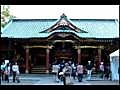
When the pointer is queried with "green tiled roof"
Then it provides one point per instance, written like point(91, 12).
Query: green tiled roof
point(31, 28)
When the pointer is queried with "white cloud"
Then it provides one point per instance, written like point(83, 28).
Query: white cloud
point(72, 11)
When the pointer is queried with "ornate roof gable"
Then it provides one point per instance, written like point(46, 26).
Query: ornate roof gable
point(64, 24)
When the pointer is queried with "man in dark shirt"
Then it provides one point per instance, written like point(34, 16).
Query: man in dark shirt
point(89, 69)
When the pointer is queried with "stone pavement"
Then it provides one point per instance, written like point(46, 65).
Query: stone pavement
point(49, 79)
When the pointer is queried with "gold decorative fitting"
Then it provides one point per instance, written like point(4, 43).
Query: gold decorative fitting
point(38, 47)
point(77, 47)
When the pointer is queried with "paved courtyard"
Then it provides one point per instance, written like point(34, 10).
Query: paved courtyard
point(49, 79)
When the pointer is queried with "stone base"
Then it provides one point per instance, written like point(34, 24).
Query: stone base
point(47, 71)
point(26, 71)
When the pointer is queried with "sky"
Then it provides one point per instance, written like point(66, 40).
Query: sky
point(72, 11)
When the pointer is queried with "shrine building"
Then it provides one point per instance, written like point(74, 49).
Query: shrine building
point(37, 43)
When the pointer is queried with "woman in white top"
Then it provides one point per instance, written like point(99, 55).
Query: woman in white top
point(102, 70)
point(15, 69)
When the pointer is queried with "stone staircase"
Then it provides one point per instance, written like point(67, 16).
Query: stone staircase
point(39, 70)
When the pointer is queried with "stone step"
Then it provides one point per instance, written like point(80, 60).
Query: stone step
point(38, 68)
point(38, 72)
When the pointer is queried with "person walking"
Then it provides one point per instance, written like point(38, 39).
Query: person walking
point(89, 69)
point(80, 72)
point(15, 69)
point(67, 70)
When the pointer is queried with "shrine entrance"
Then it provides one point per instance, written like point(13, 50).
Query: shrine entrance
point(63, 50)
point(38, 56)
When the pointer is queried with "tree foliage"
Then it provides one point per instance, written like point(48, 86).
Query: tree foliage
point(5, 15)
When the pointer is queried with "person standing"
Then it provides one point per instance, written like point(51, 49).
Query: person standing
point(15, 69)
point(80, 72)
point(89, 69)
point(73, 70)
point(102, 69)
point(61, 66)
point(107, 72)
point(7, 72)
point(55, 69)
point(119, 70)
point(3, 71)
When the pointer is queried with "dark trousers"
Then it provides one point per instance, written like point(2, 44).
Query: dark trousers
point(80, 76)
point(64, 80)
point(107, 75)
point(14, 76)
point(7, 78)
point(102, 74)
point(74, 75)
point(2, 75)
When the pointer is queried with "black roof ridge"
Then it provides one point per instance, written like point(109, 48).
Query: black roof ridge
point(31, 19)
point(95, 19)
point(16, 19)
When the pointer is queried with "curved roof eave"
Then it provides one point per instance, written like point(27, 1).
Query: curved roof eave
point(7, 25)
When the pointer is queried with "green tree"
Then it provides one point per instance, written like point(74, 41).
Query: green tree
point(5, 15)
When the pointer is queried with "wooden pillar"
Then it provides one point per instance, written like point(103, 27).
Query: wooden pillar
point(15, 52)
point(79, 55)
point(99, 55)
point(15, 49)
point(47, 60)
point(9, 48)
point(27, 59)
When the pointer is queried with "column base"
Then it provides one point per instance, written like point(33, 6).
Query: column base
point(26, 71)
point(47, 71)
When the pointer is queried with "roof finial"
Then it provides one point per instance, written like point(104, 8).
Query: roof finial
point(63, 16)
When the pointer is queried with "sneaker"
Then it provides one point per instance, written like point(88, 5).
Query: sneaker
point(18, 81)
point(80, 80)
